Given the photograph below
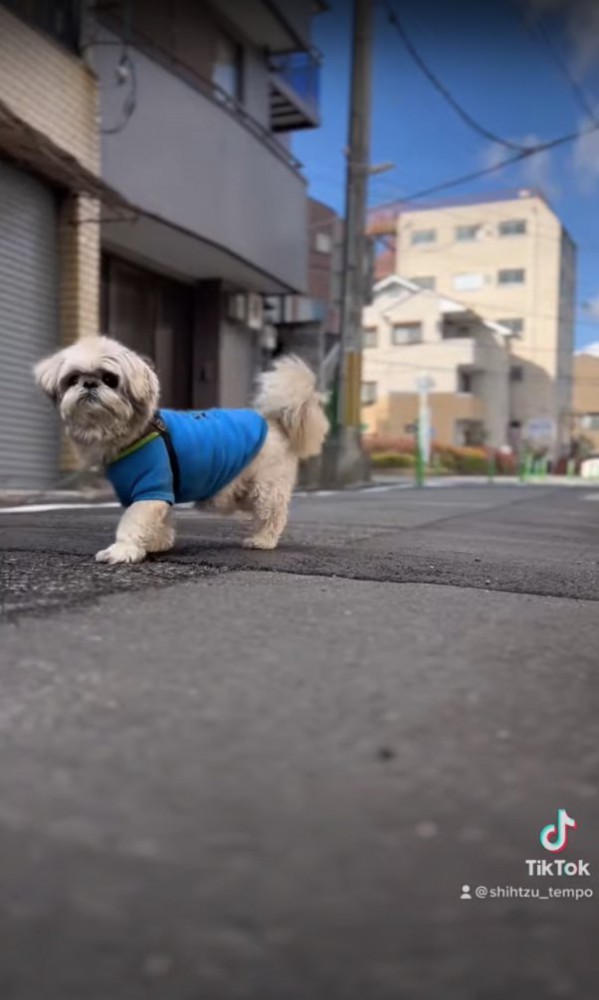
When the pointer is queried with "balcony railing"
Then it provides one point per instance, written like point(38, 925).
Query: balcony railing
point(294, 91)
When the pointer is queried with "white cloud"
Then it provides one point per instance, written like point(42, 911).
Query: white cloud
point(591, 307)
point(585, 159)
point(535, 171)
point(581, 18)
point(592, 349)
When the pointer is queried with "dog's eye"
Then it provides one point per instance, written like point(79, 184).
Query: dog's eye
point(71, 380)
point(110, 379)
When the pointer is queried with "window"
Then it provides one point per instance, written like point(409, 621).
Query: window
point(516, 373)
point(370, 336)
point(368, 393)
point(468, 282)
point(464, 381)
point(516, 325)
point(512, 227)
point(427, 281)
point(464, 234)
point(227, 71)
point(590, 422)
point(511, 276)
point(424, 236)
point(406, 333)
point(323, 243)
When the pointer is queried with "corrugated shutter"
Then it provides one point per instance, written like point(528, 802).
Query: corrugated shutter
point(29, 436)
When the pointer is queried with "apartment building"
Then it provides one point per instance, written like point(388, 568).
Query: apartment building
point(196, 138)
point(511, 260)
point(410, 332)
point(148, 189)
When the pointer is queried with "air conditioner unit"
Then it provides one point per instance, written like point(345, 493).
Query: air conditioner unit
point(273, 309)
point(255, 311)
point(237, 307)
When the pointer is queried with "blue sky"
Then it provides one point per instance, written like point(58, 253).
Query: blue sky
point(504, 75)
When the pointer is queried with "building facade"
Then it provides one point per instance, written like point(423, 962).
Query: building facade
point(511, 260)
point(145, 156)
point(410, 333)
point(309, 325)
point(49, 254)
point(585, 401)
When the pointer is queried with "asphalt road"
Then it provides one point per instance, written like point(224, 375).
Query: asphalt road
point(230, 775)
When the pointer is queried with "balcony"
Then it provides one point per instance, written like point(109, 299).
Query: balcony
point(216, 194)
point(294, 91)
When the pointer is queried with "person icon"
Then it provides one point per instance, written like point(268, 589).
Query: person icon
point(465, 892)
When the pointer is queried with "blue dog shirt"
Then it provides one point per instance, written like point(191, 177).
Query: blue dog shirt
point(211, 446)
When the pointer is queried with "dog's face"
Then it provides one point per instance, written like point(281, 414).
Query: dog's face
point(105, 392)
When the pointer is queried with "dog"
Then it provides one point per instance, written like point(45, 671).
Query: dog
point(231, 460)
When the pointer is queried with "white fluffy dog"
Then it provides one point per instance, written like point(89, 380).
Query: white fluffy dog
point(231, 459)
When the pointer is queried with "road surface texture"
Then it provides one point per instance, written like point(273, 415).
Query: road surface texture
point(228, 775)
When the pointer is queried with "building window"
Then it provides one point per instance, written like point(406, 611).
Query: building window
point(512, 227)
point(590, 422)
point(515, 325)
point(465, 380)
point(427, 281)
point(227, 71)
point(516, 373)
point(511, 276)
point(406, 333)
point(420, 236)
point(370, 336)
point(323, 243)
point(368, 393)
point(465, 234)
point(468, 282)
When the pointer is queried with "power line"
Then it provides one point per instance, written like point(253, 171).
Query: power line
point(442, 89)
point(540, 30)
point(541, 147)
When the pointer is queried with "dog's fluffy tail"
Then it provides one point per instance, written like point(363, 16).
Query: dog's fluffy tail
point(287, 395)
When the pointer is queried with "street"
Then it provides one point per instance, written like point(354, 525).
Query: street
point(236, 775)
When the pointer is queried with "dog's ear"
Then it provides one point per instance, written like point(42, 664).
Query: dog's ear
point(47, 373)
point(142, 382)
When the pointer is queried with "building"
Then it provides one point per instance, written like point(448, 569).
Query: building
point(200, 210)
point(585, 400)
point(510, 259)
point(410, 332)
point(49, 254)
point(309, 324)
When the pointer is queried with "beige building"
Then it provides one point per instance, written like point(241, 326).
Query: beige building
point(410, 332)
point(585, 398)
point(509, 259)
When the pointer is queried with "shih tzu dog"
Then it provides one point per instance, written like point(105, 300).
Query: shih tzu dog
point(231, 459)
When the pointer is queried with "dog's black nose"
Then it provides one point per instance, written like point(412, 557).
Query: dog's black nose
point(90, 384)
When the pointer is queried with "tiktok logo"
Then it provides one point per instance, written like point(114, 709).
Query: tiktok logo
point(554, 836)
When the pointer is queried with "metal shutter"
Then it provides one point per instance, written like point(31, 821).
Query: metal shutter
point(29, 437)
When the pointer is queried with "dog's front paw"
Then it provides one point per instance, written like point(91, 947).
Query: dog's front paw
point(121, 552)
point(260, 542)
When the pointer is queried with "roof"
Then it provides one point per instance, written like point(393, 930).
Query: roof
point(447, 306)
point(26, 145)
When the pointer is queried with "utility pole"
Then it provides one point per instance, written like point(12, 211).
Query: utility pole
point(346, 453)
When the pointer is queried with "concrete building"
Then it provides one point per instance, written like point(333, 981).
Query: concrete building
point(409, 332)
point(585, 399)
point(196, 140)
point(510, 259)
point(147, 188)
